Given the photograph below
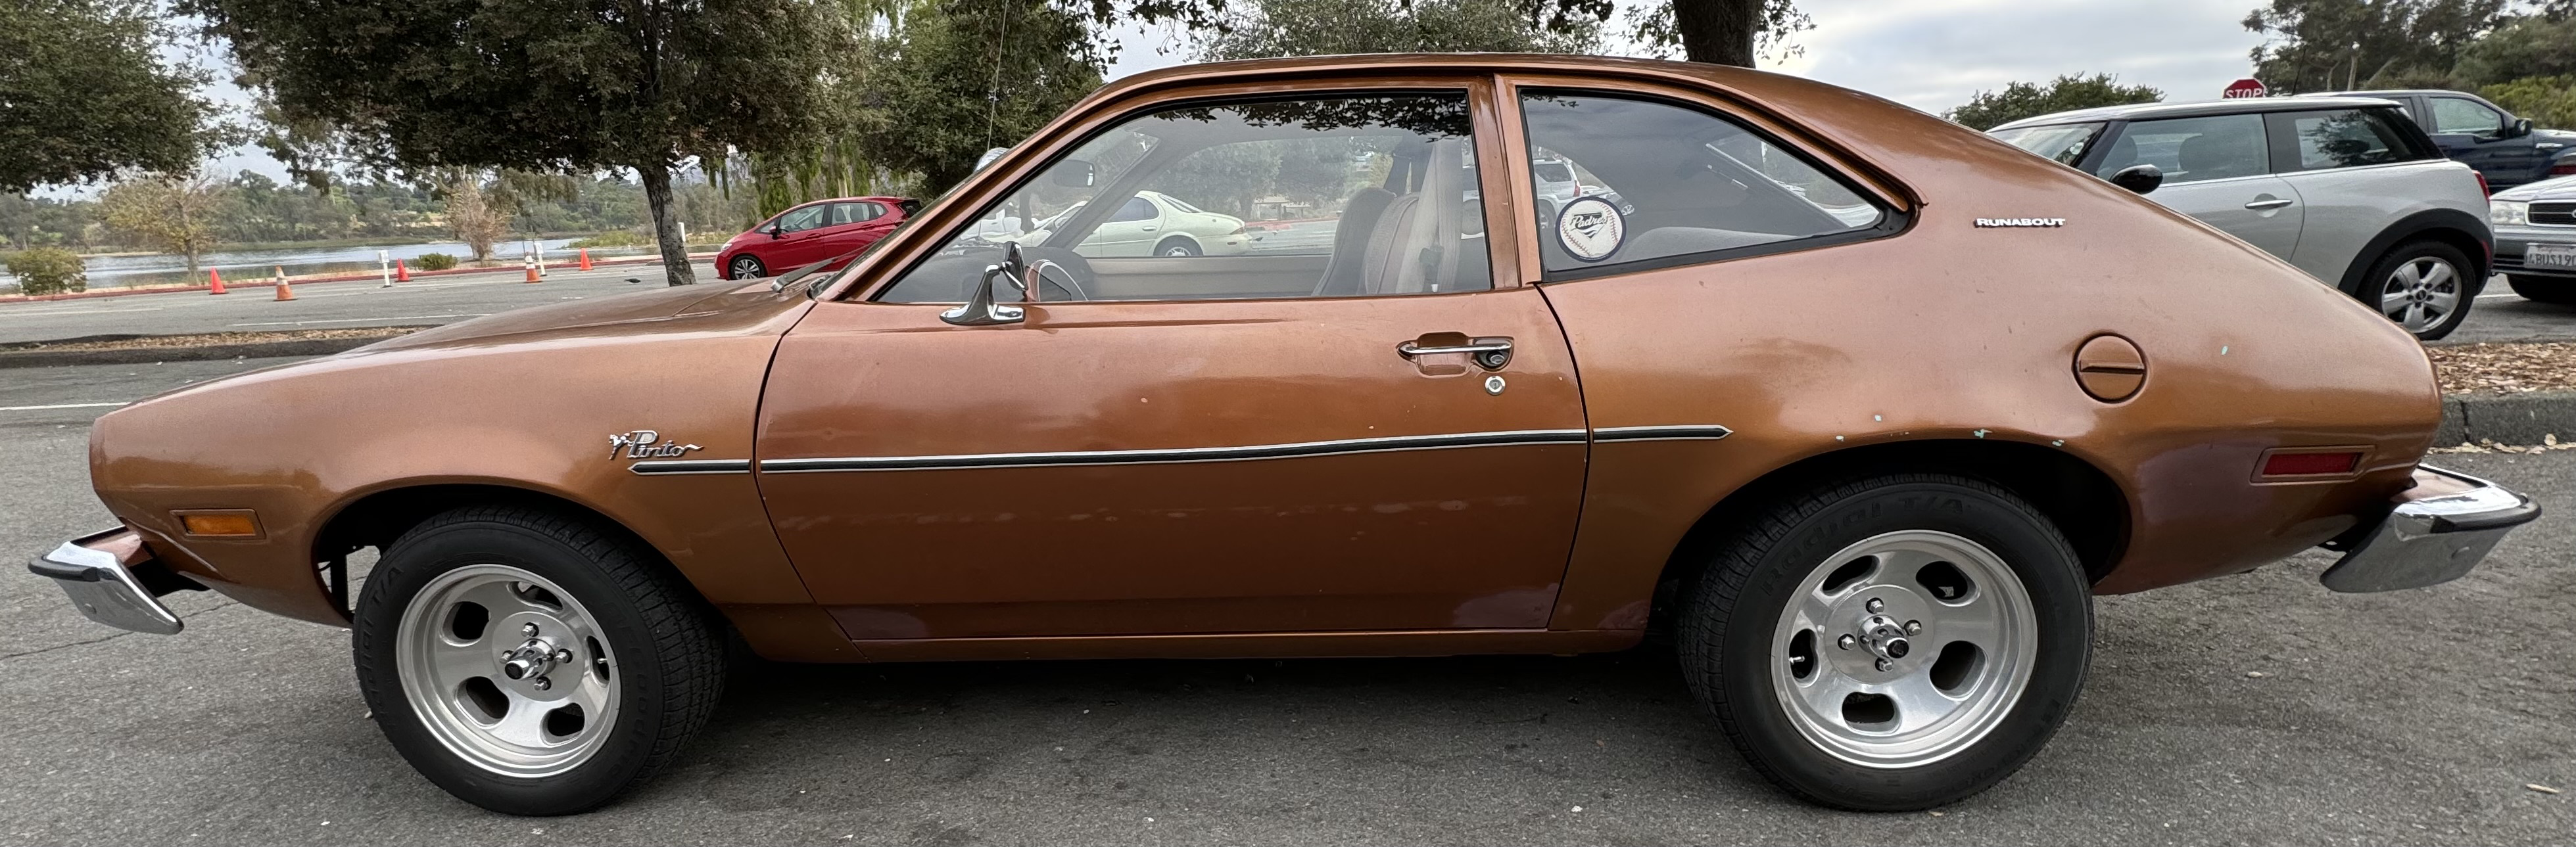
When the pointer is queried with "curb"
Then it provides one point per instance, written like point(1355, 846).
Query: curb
point(152, 355)
point(2519, 419)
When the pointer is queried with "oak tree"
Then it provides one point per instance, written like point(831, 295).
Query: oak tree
point(84, 95)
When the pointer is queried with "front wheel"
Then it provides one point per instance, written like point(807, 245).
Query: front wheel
point(744, 267)
point(2556, 291)
point(2424, 286)
point(1890, 644)
point(530, 662)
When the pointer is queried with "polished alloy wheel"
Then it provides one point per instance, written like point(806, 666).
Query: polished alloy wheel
point(507, 670)
point(1904, 649)
point(2420, 293)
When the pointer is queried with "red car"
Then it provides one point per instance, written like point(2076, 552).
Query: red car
point(811, 233)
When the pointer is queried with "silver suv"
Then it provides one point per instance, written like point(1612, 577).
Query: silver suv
point(2346, 188)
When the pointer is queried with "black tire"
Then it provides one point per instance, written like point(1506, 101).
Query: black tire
point(2554, 290)
point(1732, 612)
point(2374, 283)
point(1177, 246)
point(745, 267)
point(669, 644)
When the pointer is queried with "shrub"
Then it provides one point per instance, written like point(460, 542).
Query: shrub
point(48, 270)
point(436, 261)
point(613, 238)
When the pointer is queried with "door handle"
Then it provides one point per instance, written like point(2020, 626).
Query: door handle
point(1149, 229)
point(1489, 353)
point(2268, 205)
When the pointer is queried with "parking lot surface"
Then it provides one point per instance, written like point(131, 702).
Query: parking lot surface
point(2253, 709)
point(325, 305)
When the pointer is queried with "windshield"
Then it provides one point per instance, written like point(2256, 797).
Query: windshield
point(2065, 143)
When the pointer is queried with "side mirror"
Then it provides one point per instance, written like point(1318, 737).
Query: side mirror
point(2139, 179)
point(979, 308)
point(774, 231)
point(1072, 173)
point(989, 156)
point(2521, 127)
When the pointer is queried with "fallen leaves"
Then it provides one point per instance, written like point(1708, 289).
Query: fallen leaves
point(2504, 368)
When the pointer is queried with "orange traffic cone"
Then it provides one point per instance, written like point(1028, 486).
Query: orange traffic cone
point(532, 267)
point(215, 282)
point(585, 260)
point(402, 273)
point(284, 292)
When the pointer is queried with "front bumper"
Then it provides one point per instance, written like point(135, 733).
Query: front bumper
point(2511, 242)
point(2437, 532)
point(112, 579)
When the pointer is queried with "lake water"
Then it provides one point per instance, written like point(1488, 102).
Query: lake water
point(115, 271)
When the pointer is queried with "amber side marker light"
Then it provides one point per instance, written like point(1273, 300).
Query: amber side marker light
point(2321, 463)
point(220, 523)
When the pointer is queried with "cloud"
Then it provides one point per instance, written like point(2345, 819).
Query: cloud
point(1935, 54)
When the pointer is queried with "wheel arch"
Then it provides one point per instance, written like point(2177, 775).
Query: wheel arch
point(2450, 226)
point(2079, 498)
point(376, 518)
point(1195, 243)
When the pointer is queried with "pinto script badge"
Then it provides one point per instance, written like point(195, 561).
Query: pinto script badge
point(640, 444)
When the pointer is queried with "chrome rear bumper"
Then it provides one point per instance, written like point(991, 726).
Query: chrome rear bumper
point(99, 572)
point(2439, 530)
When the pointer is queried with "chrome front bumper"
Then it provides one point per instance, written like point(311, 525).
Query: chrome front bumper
point(2439, 530)
point(99, 572)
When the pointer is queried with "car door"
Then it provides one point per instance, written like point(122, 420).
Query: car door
point(2473, 132)
point(2357, 172)
point(1130, 232)
point(847, 227)
point(1148, 452)
point(799, 238)
point(2218, 169)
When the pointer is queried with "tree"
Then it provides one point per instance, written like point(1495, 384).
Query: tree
point(471, 215)
point(1990, 109)
point(1266, 28)
point(172, 214)
point(2549, 101)
point(953, 78)
point(82, 94)
point(1723, 32)
point(2523, 47)
point(2328, 45)
point(558, 86)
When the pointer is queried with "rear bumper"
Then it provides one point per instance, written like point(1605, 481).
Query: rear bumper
point(112, 579)
point(2437, 531)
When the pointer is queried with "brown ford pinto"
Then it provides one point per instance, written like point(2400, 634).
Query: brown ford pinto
point(1520, 355)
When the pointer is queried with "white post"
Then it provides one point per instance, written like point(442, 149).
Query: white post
point(540, 246)
point(385, 265)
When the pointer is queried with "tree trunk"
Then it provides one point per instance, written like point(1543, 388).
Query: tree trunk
point(1718, 31)
point(666, 223)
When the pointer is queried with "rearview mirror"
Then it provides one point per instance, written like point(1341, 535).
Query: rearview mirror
point(2139, 179)
point(1072, 173)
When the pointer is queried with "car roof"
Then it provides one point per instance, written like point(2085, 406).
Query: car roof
point(2391, 92)
point(2199, 108)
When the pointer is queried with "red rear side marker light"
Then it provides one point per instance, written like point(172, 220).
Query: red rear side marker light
point(2311, 464)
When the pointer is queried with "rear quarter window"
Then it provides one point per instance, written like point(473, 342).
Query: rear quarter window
point(2345, 138)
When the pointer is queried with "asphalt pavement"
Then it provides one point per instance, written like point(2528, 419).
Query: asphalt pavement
point(2252, 709)
point(321, 305)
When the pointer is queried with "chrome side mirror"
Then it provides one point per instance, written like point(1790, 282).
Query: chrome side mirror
point(979, 308)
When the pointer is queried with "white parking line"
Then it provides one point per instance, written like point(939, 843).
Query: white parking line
point(57, 406)
point(362, 320)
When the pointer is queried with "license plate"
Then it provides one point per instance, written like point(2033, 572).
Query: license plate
point(2550, 256)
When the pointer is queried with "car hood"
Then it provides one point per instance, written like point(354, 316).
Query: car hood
point(623, 313)
point(2555, 188)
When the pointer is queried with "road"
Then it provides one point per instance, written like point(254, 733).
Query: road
point(328, 305)
point(2497, 316)
point(2253, 709)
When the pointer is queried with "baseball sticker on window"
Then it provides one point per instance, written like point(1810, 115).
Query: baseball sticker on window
point(1590, 228)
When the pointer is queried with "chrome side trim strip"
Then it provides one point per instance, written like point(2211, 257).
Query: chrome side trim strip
point(690, 466)
point(1181, 454)
point(1710, 432)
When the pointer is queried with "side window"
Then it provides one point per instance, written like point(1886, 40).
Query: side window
point(800, 220)
point(2459, 115)
point(2348, 138)
point(1621, 180)
point(1338, 196)
point(846, 213)
point(2191, 149)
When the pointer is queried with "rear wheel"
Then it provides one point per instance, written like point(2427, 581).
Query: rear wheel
point(2559, 291)
point(1890, 644)
point(533, 663)
point(1176, 247)
point(2424, 286)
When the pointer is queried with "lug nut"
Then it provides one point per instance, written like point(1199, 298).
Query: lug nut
point(563, 656)
point(531, 629)
point(1913, 627)
point(1883, 664)
point(1874, 604)
point(1846, 641)
point(543, 683)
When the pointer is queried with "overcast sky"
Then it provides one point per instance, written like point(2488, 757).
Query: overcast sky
point(1929, 54)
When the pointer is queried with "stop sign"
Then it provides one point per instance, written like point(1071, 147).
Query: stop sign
point(2247, 87)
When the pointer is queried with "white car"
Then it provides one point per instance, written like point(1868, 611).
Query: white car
point(2535, 239)
point(1153, 224)
point(2346, 188)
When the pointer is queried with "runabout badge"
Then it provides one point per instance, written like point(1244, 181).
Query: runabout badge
point(640, 444)
point(1590, 228)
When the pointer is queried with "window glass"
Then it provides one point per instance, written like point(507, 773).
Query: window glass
point(845, 213)
point(2191, 149)
point(2456, 115)
point(800, 220)
point(1340, 196)
point(2348, 138)
point(2066, 143)
point(1626, 180)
